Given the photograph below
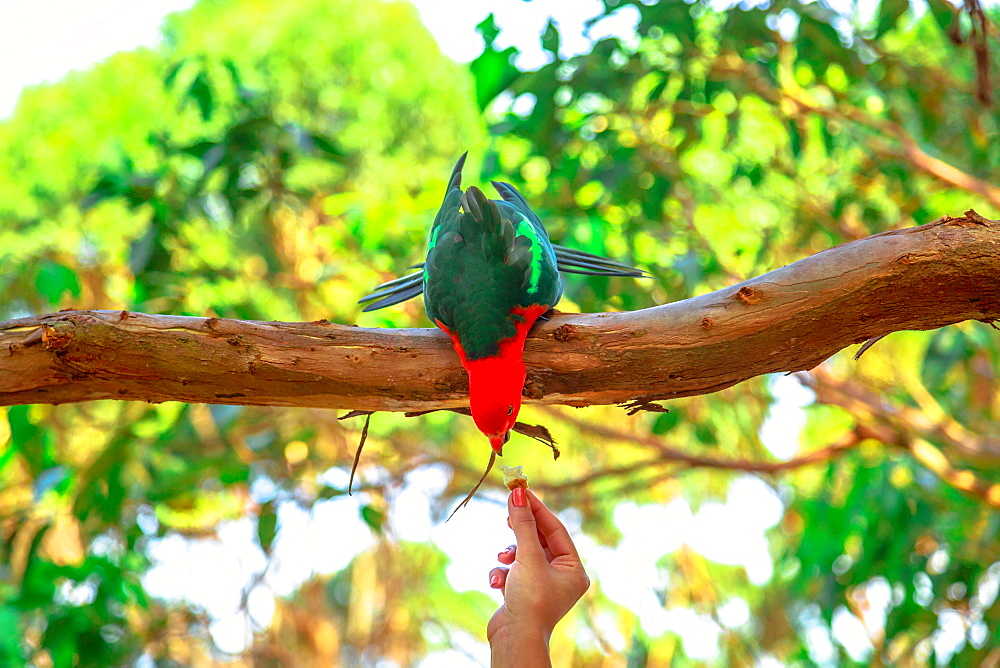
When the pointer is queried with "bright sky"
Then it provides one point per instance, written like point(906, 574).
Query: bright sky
point(42, 40)
point(48, 38)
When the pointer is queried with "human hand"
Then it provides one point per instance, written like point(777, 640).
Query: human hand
point(544, 580)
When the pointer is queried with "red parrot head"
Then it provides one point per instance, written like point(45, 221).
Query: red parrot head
point(496, 381)
point(495, 386)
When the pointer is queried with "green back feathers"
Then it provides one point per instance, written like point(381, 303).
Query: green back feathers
point(485, 258)
point(481, 250)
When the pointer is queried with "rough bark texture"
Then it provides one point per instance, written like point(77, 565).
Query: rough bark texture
point(790, 319)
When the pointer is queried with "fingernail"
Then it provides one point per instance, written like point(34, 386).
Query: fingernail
point(495, 581)
point(520, 497)
point(500, 556)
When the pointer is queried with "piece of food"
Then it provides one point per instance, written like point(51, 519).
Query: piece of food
point(513, 477)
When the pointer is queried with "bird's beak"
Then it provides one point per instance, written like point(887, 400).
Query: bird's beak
point(497, 441)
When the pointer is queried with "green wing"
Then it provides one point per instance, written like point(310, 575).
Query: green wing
point(568, 260)
point(485, 260)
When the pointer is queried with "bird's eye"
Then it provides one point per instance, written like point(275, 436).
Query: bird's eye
point(510, 410)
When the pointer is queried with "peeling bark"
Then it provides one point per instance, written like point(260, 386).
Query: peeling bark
point(790, 319)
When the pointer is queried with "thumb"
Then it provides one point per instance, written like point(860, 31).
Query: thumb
point(522, 521)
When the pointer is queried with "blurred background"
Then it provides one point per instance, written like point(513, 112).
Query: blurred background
point(261, 159)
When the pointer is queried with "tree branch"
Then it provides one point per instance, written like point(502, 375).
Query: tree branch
point(790, 319)
point(906, 428)
point(910, 150)
point(665, 454)
point(896, 423)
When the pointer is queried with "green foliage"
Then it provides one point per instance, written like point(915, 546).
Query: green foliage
point(275, 160)
point(493, 70)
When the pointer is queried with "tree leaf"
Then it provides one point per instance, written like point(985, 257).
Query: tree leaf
point(820, 44)
point(373, 517)
point(889, 12)
point(488, 30)
point(201, 92)
point(550, 39)
point(327, 146)
point(53, 280)
point(667, 421)
point(493, 73)
point(267, 526)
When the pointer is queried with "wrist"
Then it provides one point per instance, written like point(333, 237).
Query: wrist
point(519, 645)
point(520, 633)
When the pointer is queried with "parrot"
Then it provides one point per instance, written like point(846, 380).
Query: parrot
point(490, 273)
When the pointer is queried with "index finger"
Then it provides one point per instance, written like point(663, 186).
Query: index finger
point(529, 545)
point(560, 543)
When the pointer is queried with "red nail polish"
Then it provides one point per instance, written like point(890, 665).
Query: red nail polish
point(501, 554)
point(495, 581)
point(520, 497)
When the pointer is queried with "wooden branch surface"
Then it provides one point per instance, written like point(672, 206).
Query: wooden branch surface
point(790, 319)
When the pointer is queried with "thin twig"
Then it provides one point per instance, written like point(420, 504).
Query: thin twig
point(961, 479)
point(468, 497)
point(868, 344)
point(357, 455)
point(909, 151)
point(666, 453)
point(895, 423)
point(980, 47)
point(912, 431)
